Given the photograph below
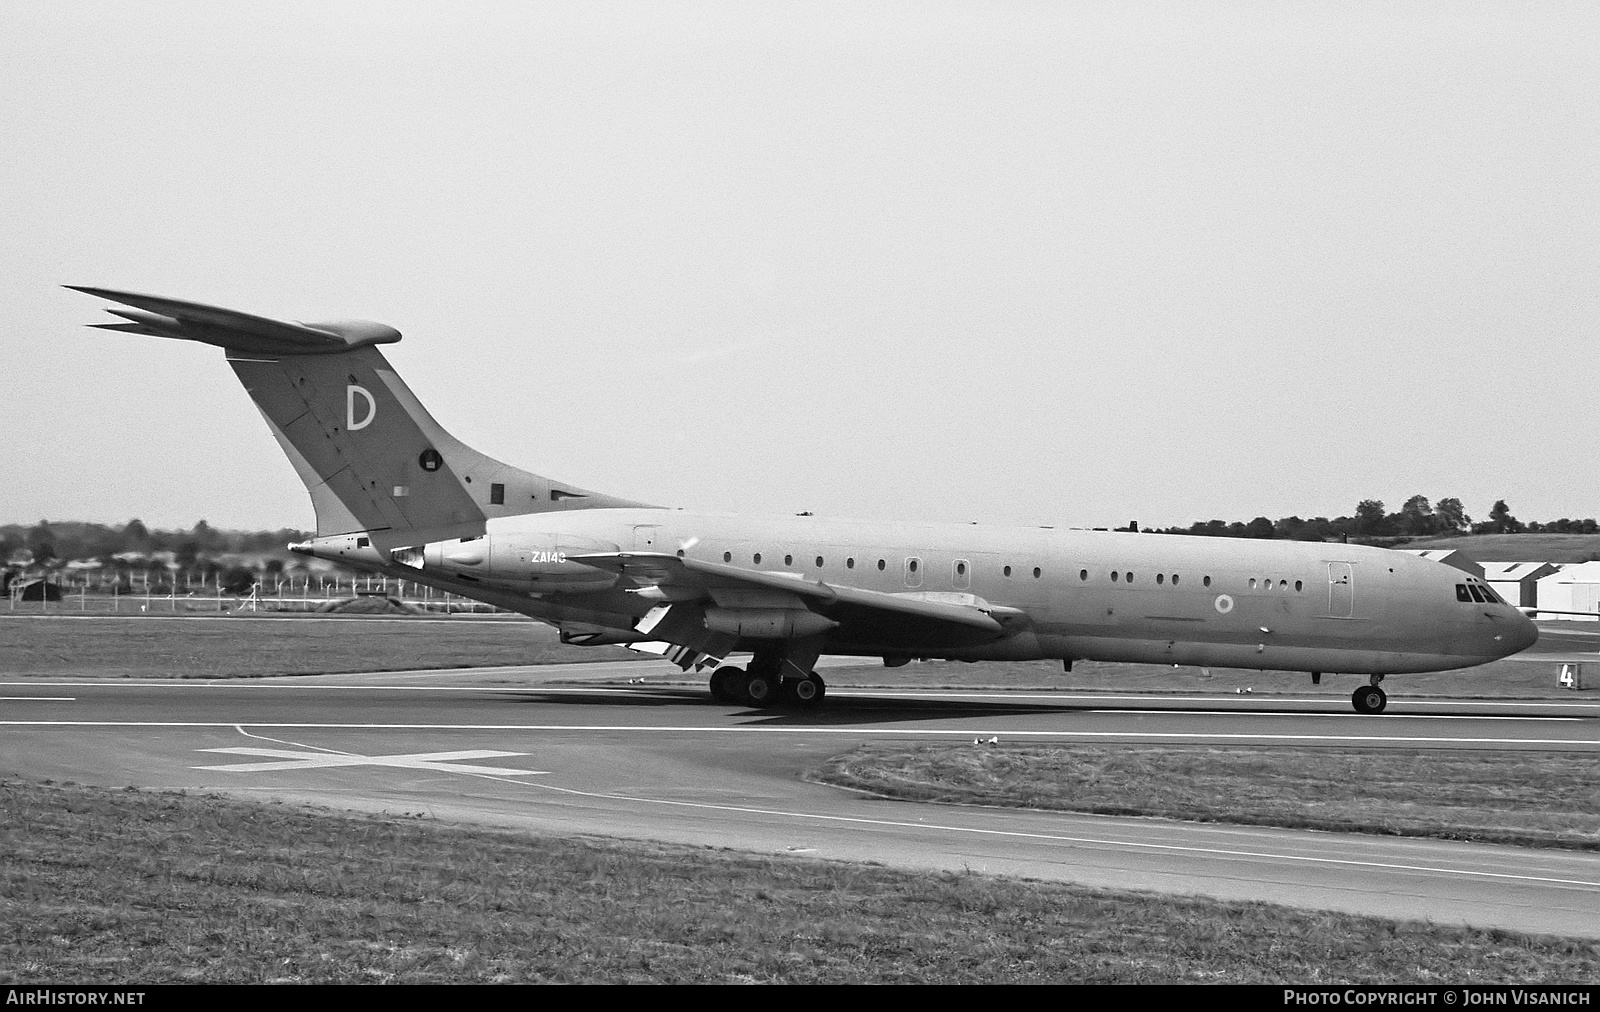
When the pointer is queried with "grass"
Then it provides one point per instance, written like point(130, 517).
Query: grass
point(1539, 799)
point(1519, 547)
point(244, 647)
point(125, 886)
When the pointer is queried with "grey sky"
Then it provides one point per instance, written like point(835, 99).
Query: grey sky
point(1046, 263)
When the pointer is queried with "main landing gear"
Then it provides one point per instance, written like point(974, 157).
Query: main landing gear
point(761, 686)
point(1370, 698)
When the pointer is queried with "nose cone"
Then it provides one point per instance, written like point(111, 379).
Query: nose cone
point(1520, 635)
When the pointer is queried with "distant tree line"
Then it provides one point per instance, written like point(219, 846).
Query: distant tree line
point(1418, 518)
point(65, 540)
point(195, 547)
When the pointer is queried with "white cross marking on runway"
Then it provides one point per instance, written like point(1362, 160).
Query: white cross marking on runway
point(289, 759)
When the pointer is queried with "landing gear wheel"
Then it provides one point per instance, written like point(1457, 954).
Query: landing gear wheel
point(1369, 699)
point(761, 689)
point(727, 682)
point(804, 692)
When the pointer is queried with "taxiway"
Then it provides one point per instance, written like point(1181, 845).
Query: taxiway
point(628, 754)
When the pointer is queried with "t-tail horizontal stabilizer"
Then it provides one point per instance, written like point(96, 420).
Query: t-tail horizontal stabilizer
point(236, 331)
point(372, 457)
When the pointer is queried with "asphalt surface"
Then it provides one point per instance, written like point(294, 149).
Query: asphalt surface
point(528, 748)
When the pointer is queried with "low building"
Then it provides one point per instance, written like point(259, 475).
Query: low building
point(1518, 582)
point(37, 590)
point(1576, 588)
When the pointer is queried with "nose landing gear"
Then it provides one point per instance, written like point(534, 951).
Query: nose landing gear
point(1370, 698)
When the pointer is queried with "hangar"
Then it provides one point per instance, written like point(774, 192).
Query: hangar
point(1574, 588)
point(1518, 582)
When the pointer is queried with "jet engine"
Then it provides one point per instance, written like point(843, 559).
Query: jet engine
point(530, 563)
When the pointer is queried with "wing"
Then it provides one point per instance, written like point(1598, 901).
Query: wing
point(745, 604)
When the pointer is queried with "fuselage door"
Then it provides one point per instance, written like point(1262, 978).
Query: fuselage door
point(913, 572)
point(644, 537)
point(1341, 590)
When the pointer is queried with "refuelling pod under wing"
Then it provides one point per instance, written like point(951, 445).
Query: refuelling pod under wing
point(768, 623)
point(530, 563)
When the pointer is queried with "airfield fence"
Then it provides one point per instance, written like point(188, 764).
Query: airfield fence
point(93, 593)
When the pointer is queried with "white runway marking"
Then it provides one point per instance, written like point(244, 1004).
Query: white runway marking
point(39, 699)
point(290, 759)
point(567, 687)
point(860, 731)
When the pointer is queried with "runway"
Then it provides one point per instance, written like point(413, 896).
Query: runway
point(576, 749)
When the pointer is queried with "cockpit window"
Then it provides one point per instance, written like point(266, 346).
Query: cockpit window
point(1461, 593)
point(1489, 594)
point(1477, 595)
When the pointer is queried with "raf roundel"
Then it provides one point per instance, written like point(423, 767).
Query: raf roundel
point(1224, 604)
point(429, 459)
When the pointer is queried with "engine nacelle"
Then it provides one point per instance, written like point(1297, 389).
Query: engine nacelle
point(531, 563)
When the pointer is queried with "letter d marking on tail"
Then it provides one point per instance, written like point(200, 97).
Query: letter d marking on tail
point(351, 392)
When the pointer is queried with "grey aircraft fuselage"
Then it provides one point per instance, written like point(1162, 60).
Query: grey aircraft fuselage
point(1082, 595)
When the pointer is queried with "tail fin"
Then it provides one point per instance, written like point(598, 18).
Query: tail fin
point(369, 453)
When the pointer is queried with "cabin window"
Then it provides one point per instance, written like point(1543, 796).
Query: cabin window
point(911, 565)
point(1083, 574)
point(1174, 579)
point(756, 558)
point(1206, 581)
point(1007, 570)
point(850, 563)
point(1035, 572)
point(1130, 577)
point(819, 562)
point(1160, 579)
point(1297, 586)
point(788, 560)
point(1252, 583)
point(961, 575)
point(880, 565)
point(497, 494)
